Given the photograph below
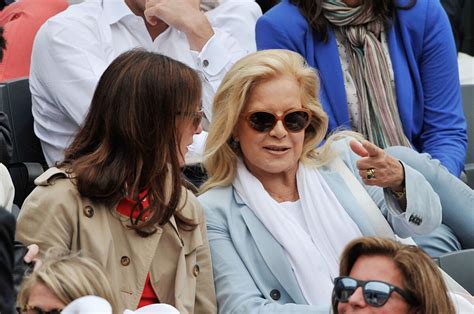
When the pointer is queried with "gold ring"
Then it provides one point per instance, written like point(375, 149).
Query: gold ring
point(370, 173)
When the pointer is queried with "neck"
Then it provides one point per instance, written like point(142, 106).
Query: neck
point(281, 187)
point(138, 8)
point(155, 30)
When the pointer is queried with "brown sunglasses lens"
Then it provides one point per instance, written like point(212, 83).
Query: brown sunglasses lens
point(294, 121)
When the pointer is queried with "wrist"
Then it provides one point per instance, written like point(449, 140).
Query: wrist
point(198, 32)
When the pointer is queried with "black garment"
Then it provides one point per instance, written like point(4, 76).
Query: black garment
point(267, 4)
point(460, 14)
point(6, 144)
point(7, 236)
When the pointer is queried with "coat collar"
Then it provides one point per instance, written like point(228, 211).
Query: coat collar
point(272, 252)
point(326, 60)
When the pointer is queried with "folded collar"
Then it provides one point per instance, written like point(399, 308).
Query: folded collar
point(115, 10)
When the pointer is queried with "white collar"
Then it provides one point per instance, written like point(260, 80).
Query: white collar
point(115, 10)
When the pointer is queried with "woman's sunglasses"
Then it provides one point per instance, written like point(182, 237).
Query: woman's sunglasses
point(294, 120)
point(376, 293)
point(195, 116)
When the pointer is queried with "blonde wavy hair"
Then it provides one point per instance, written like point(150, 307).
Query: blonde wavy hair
point(421, 277)
point(220, 159)
point(68, 277)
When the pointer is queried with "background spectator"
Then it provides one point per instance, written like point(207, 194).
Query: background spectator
point(72, 50)
point(7, 236)
point(376, 264)
point(21, 21)
point(388, 69)
point(61, 279)
point(6, 149)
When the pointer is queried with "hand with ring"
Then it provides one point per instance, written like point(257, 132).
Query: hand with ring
point(370, 173)
point(378, 168)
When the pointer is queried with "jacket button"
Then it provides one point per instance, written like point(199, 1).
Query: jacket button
point(196, 270)
point(275, 294)
point(125, 260)
point(88, 211)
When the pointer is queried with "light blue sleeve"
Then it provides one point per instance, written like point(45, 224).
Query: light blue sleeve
point(423, 212)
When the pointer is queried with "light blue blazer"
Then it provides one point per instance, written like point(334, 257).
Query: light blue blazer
point(423, 56)
point(251, 271)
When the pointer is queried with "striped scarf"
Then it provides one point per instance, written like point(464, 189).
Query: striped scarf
point(369, 68)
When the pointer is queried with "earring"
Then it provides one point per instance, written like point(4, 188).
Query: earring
point(234, 144)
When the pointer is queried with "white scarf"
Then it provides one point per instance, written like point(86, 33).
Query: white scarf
point(314, 257)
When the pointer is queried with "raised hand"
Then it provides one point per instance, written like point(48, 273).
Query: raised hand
point(378, 168)
point(184, 15)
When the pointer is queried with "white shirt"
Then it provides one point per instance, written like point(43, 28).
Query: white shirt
point(7, 190)
point(73, 49)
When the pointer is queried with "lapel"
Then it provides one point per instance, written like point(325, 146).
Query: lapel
point(272, 253)
point(333, 93)
point(344, 195)
point(401, 74)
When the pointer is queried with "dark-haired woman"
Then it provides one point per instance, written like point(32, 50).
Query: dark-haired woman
point(118, 195)
point(388, 70)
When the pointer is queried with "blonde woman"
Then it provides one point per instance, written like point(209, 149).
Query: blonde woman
point(394, 278)
point(61, 279)
point(278, 215)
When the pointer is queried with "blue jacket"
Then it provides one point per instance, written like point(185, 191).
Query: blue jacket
point(252, 273)
point(423, 57)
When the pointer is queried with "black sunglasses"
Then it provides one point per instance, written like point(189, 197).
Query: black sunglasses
point(376, 293)
point(27, 309)
point(294, 120)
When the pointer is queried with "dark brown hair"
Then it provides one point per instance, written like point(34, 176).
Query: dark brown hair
point(312, 10)
point(421, 277)
point(129, 140)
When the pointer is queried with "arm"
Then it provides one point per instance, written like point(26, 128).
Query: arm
point(217, 39)
point(205, 290)
point(272, 32)
point(67, 62)
point(6, 147)
point(236, 290)
point(48, 220)
point(7, 232)
point(421, 200)
point(444, 127)
point(233, 23)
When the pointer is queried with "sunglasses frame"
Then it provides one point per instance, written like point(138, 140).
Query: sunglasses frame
point(196, 116)
point(277, 118)
point(362, 283)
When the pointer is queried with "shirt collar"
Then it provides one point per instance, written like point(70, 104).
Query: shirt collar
point(115, 10)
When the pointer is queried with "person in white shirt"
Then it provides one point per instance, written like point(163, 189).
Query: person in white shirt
point(72, 50)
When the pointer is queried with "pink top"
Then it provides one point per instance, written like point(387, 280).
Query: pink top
point(21, 20)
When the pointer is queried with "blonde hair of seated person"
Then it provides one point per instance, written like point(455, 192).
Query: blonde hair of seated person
point(220, 157)
point(68, 277)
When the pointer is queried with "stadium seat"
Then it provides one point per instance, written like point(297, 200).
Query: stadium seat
point(468, 105)
point(459, 265)
point(27, 162)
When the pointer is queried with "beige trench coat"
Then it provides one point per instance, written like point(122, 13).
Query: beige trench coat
point(179, 262)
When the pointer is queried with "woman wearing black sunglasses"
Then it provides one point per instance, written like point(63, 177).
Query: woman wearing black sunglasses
point(278, 209)
point(394, 278)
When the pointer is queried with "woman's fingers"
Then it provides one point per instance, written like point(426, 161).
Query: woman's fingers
point(378, 168)
point(31, 253)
